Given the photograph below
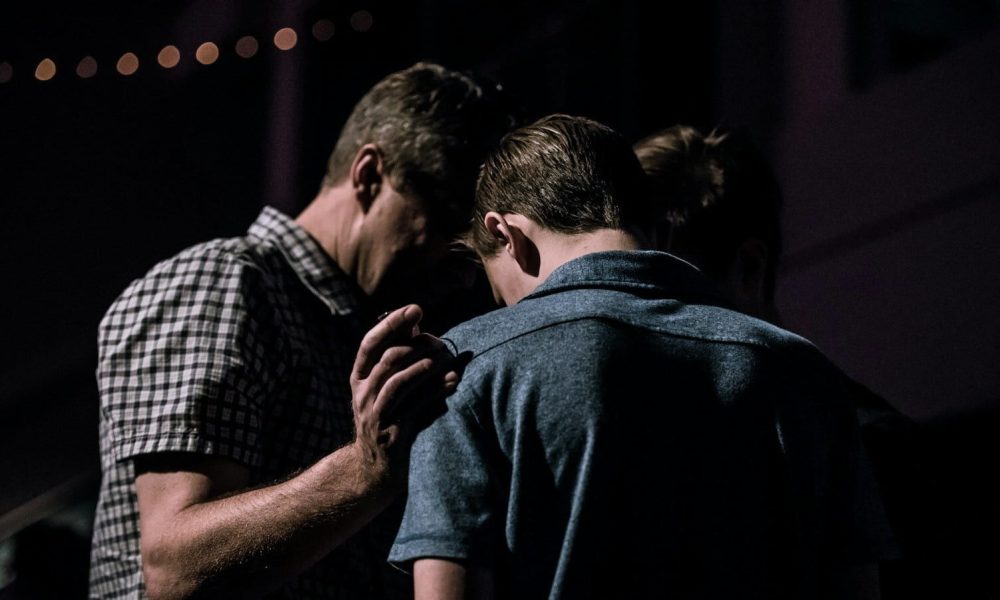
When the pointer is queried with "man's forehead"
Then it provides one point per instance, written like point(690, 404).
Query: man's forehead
point(446, 207)
point(444, 217)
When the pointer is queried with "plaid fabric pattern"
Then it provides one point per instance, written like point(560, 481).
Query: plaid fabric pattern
point(239, 348)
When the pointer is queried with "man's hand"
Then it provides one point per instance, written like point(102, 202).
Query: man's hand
point(198, 536)
point(399, 374)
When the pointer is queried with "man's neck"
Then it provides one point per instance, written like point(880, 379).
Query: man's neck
point(556, 249)
point(331, 218)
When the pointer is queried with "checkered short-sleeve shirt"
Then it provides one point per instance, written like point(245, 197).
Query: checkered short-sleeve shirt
point(239, 348)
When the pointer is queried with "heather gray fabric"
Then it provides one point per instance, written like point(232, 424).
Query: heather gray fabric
point(617, 435)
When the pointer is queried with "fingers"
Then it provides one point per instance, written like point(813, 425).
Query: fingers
point(407, 377)
point(400, 370)
point(408, 391)
point(432, 378)
point(399, 375)
point(413, 398)
point(399, 357)
point(396, 328)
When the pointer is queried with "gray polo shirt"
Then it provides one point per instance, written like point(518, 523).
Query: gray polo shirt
point(618, 434)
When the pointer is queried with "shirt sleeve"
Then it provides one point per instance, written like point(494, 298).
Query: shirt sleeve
point(454, 505)
point(861, 521)
point(829, 464)
point(187, 356)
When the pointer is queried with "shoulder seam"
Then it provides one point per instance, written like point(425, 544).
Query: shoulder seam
point(699, 338)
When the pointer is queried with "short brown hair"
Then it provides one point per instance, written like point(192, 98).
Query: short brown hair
point(718, 191)
point(568, 174)
point(434, 127)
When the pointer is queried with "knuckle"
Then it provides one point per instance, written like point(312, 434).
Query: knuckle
point(391, 388)
point(394, 355)
point(367, 345)
point(424, 365)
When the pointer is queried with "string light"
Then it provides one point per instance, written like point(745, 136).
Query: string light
point(323, 30)
point(362, 21)
point(246, 47)
point(169, 57)
point(128, 64)
point(45, 70)
point(87, 67)
point(285, 38)
point(207, 53)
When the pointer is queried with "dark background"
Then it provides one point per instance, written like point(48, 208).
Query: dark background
point(880, 116)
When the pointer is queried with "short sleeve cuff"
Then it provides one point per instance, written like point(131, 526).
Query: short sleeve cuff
point(407, 550)
point(181, 441)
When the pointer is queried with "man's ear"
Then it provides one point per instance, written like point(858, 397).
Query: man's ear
point(496, 226)
point(513, 240)
point(366, 175)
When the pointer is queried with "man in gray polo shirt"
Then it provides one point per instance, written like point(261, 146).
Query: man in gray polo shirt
point(617, 433)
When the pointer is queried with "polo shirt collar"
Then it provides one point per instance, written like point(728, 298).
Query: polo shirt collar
point(636, 270)
point(313, 266)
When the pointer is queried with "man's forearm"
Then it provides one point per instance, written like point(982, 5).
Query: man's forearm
point(254, 540)
point(445, 579)
point(198, 530)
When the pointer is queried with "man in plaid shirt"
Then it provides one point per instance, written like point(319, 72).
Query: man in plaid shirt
point(246, 450)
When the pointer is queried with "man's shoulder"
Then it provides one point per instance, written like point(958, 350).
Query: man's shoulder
point(502, 325)
point(716, 323)
point(772, 346)
point(221, 254)
point(219, 266)
point(703, 323)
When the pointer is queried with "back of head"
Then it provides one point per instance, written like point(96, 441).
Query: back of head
point(568, 174)
point(717, 192)
point(433, 127)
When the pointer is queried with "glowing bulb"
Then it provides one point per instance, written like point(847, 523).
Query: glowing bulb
point(323, 30)
point(87, 67)
point(246, 46)
point(362, 21)
point(207, 53)
point(128, 64)
point(169, 57)
point(286, 38)
point(6, 72)
point(45, 70)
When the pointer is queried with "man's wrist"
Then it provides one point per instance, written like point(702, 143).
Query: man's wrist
point(372, 469)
